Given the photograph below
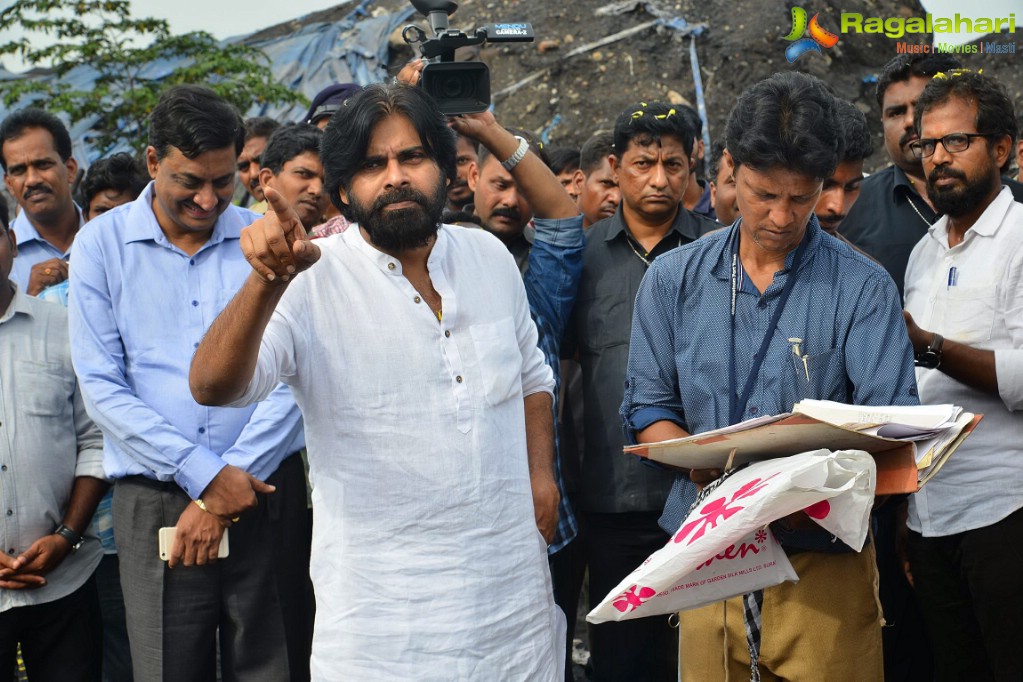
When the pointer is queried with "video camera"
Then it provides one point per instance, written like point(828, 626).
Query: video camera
point(458, 87)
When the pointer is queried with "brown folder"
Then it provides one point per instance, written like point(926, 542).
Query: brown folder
point(794, 433)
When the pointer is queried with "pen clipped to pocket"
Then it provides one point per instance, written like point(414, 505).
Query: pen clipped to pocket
point(166, 539)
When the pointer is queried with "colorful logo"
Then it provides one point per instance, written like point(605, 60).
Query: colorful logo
point(801, 42)
point(630, 599)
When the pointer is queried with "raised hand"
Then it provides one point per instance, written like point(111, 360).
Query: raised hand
point(277, 246)
point(46, 274)
point(411, 72)
point(480, 127)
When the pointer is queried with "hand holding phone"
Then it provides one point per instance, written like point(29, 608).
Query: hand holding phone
point(166, 539)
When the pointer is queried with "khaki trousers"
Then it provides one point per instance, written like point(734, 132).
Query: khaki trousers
point(825, 627)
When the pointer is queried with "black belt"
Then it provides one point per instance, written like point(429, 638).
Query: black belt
point(163, 486)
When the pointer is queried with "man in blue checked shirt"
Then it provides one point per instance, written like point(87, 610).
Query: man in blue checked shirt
point(148, 279)
point(745, 323)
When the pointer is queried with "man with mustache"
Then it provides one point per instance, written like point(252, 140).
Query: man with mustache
point(148, 279)
point(459, 193)
point(621, 499)
point(430, 429)
point(291, 165)
point(35, 151)
point(894, 210)
point(964, 313)
point(841, 190)
point(722, 189)
point(258, 130)
point(499, 203)
point(598, 192)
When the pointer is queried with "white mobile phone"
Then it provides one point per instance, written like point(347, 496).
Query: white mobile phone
point(167, 542)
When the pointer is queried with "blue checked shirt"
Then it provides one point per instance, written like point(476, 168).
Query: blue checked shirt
point(551, 279)
point(844, 309)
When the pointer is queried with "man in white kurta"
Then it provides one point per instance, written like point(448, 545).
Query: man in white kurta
point(427, 561)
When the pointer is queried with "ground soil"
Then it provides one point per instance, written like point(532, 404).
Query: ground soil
point(742, 42)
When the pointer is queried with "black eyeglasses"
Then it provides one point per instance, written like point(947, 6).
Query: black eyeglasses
point(953, 142)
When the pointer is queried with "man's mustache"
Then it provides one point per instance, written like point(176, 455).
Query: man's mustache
point(399, 195)
point(509, 213)
point(34, 190)
point(945, 172)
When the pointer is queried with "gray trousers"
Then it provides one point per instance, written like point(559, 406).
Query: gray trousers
point(256, 598)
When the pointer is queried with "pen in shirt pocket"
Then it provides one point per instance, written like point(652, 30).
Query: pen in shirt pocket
point(805, 358)
point(953, 276)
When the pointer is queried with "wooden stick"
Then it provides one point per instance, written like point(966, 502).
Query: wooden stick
point(731, 456)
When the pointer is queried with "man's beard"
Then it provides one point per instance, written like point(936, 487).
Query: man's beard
point(957, 200)
point(399, 230)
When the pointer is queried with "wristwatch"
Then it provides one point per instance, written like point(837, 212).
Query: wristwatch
point(931, 358)
point(73, 538)
point(519, 154)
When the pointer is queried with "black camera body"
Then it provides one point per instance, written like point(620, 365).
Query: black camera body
point(458, 87)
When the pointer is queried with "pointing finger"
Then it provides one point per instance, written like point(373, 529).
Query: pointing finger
point(286, 215)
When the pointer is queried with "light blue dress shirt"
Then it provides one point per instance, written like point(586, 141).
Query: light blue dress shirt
point(33, 249)
point(138, 307)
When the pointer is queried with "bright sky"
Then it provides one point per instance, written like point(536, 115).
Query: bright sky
point(226, 18)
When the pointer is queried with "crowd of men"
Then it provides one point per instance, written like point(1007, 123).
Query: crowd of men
point(371, 425)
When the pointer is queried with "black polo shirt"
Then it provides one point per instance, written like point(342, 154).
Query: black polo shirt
point(601, 325)
point(890, 217)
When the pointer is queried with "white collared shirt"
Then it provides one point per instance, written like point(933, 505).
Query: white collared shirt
point(426, 560)
point(973, 293)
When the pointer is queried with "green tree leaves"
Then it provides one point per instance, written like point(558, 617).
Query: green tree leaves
point(122, 50)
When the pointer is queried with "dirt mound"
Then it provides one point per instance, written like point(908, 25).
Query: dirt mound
point(591, 59)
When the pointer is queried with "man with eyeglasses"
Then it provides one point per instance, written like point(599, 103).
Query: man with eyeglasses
point(964, 314)
point(894, 210)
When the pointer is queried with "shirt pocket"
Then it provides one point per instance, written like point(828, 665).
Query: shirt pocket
point(823, 377)
point(969, 314)
point(44, 392)
point(500, 362)
point(607, 321)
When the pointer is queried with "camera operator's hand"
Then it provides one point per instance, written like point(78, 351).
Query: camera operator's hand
point(483, 128)
point(534, 180)
point(411, 72)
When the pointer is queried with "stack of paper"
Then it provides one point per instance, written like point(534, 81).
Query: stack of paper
point(932, 428)
point(909, 444)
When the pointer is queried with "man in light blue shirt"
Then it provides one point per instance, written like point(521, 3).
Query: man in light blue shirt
point(149, 278)
point(35, 151)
